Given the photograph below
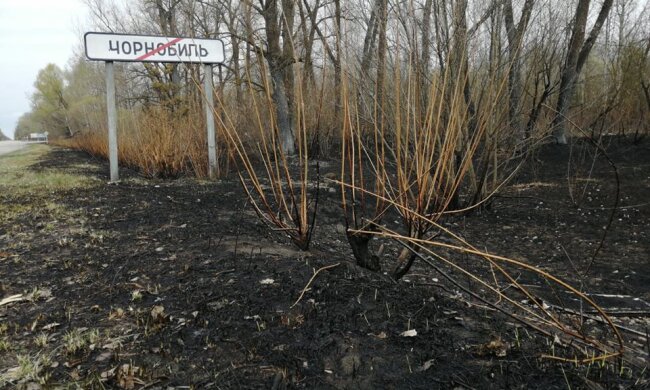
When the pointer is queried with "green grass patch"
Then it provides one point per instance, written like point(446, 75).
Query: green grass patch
point(17, 177)
point(26, 193)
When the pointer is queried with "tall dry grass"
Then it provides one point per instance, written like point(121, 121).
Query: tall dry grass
point(156, 142)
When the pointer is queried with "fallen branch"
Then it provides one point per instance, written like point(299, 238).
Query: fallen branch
point(544, 317)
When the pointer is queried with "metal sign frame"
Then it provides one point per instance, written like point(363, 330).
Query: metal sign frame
point(151, 48)
point(102, 46)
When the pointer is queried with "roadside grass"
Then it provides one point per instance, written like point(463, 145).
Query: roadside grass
point(32, 210)
point(18, 179)
point(20, 185)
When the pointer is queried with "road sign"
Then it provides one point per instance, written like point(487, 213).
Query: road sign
point(110, 47)
point(146, 48)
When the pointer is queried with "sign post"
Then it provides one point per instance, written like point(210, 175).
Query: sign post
point(112, 121)
point(209, 117)
point(144, 48)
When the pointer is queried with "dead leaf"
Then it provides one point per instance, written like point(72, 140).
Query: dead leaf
point(72, 364)
point(281, 347)
point(556, 339)
point(108, 374)
point(112, 345)
point(380, 335)
point(496, 347)
point(218, 305)
point(74, 374)
point(158, 314)
point(409, 333)
point(428, 364)
point(116, 314)
point(50, 326)
point(126, 376)
point(104, 356)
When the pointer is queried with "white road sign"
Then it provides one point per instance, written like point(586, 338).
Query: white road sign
point(142, 48)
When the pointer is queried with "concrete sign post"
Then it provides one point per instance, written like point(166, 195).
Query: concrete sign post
point(209, 116)
point(144, 48)
point(112, 121)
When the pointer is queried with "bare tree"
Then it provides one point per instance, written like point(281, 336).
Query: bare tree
point(515, 34)
point(577, 53)
point(278, 24)
point(381, 60)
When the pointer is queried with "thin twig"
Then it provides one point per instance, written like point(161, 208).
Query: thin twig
point(302, 293)
point(227, 271)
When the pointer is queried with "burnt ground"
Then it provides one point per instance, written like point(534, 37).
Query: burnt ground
point(159, 284)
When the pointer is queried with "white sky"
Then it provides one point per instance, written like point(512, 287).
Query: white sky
point(33, 33)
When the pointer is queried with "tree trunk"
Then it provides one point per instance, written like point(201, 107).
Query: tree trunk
point(288, 59)
point(232, 21)
point(359, 244)
point(441, 23)
point(284, 119)
point(337, 61)
point(278, 67)
point(459, 62)
point(646, 92)
point(515, 38)
point(308, 36)
point(167, 22)
point(425, 61)
point(645, 86)
point(369, 40)
point(576, 56)
point(381, 62)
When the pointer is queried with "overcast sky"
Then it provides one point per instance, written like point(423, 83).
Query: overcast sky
point(33, 33)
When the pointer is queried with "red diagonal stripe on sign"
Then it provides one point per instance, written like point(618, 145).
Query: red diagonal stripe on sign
point(158, 49)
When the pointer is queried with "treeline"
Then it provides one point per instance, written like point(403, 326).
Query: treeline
point(555, 68)
point(65, 102)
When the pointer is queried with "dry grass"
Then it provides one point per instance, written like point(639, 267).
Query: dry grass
point(156, 142)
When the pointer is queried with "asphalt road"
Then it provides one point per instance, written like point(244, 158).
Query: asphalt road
point(11, 146)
